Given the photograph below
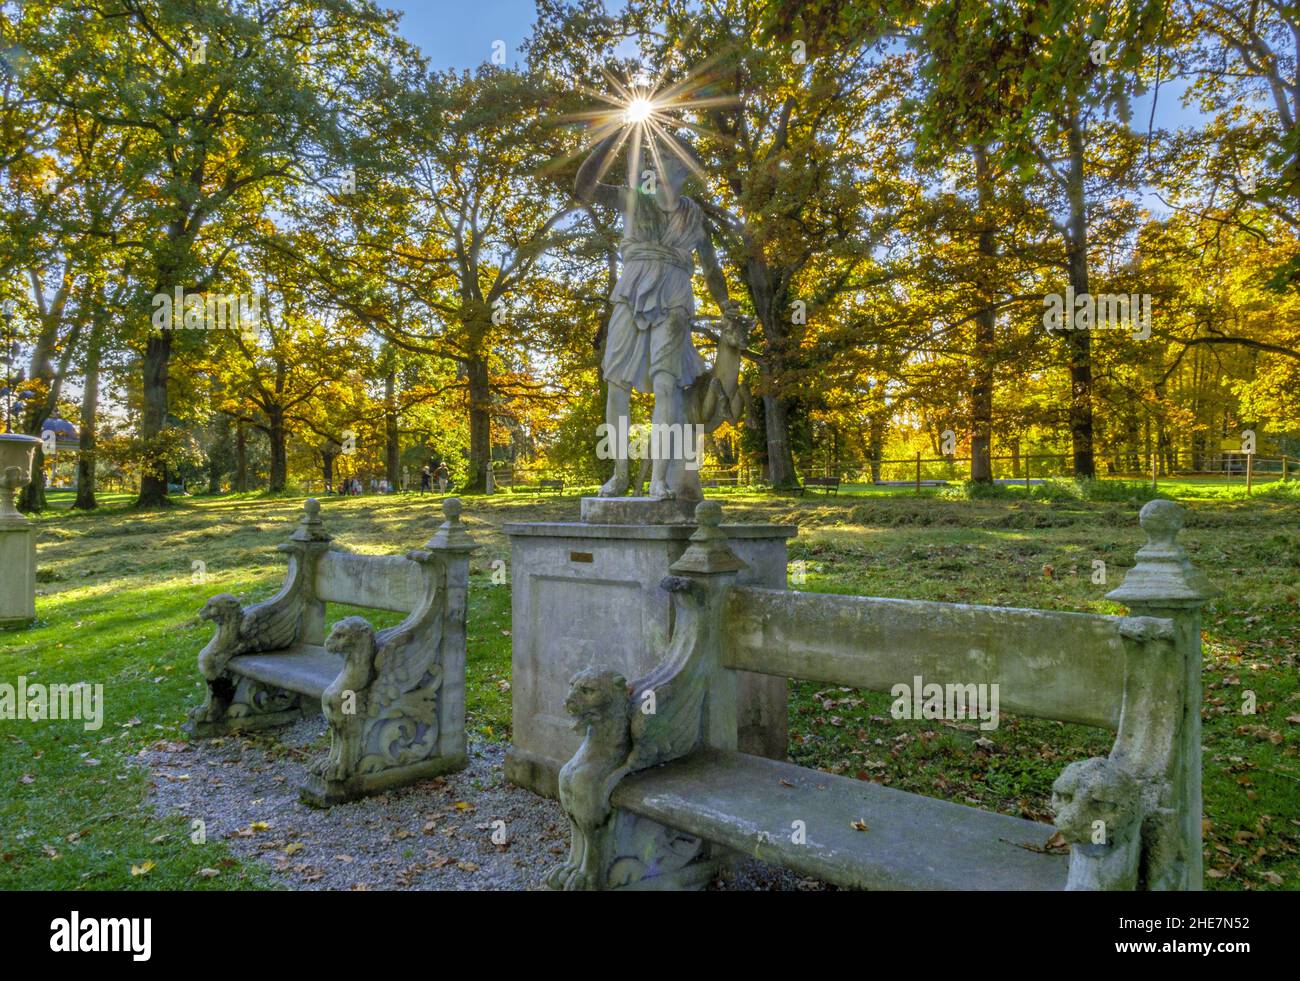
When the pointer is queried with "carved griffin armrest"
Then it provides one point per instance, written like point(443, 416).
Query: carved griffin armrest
point(271, 625)
point(1112, 810)
point(1097, 809)
point(274, 624)
point(344, 702)
point(383, 708)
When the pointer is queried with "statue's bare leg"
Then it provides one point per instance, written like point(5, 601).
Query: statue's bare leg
point(667, 412)
point(618, 404)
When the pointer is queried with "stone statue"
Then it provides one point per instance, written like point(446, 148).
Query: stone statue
point(599, 704)
point(353, 639)
point(1096, 804)
point(648, 345)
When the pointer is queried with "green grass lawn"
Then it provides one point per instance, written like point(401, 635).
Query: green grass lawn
point(118, 600)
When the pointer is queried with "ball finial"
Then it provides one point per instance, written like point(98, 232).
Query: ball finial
point(708, 513)
point(312, 507)
point(1161, 520)
point(452, 507)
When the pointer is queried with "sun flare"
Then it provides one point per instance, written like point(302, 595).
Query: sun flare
point(638, 110)
point(646, 112)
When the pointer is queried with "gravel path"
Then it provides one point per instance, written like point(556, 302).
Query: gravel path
point(437, 834)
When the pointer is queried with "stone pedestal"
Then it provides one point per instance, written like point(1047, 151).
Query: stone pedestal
point(17, 536)
point(587, 593)
point(17, 573)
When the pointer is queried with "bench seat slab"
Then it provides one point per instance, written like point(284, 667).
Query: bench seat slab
point(749, 804)
point(306, 669)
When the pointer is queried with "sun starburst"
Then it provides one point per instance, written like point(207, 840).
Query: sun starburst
point(646, 112)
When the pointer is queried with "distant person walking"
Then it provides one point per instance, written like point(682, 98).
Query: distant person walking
point(442, 475)
point(424, 478)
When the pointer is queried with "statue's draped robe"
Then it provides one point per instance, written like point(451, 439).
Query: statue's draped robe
point(658, 259)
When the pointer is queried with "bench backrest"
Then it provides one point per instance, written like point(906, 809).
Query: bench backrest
point(377, 582)
point(1063, 666)
point(551, 483)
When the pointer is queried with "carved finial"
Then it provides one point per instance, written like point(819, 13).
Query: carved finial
point(1162, 521)
point(310, 527)
point(1163, 575)
point(452, 507)
point(451, 534)
point(708, 514)
point(708, 551)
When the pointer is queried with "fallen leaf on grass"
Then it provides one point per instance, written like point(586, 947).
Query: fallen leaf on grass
point(144, 869)
point(207, 873)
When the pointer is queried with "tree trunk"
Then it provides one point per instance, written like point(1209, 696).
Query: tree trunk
point(981, 442)
point(776, 409)
point(153, 418)
point(1079, 342)
point(241, 459)
point(214, 477)
point(877, 444)
point(327, 456)
point(480, 426)
point(776, 420)
point(279, 454)
point(391, 443)
point(32, 498)
point(218, 452)
point(89, 407)
point(33, 495)
point(780, 459)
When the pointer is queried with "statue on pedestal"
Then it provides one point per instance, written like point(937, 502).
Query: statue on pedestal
point(648, 346)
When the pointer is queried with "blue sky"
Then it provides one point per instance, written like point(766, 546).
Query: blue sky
point(459, 33)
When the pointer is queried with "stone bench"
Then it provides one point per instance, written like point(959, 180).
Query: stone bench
point(658, 795)
point(827, 485)
point(394, 699)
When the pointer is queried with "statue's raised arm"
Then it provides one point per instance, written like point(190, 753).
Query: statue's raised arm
point(587, 186)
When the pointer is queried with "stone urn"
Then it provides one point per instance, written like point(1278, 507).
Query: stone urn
point(17, 541)
point(16, 455)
